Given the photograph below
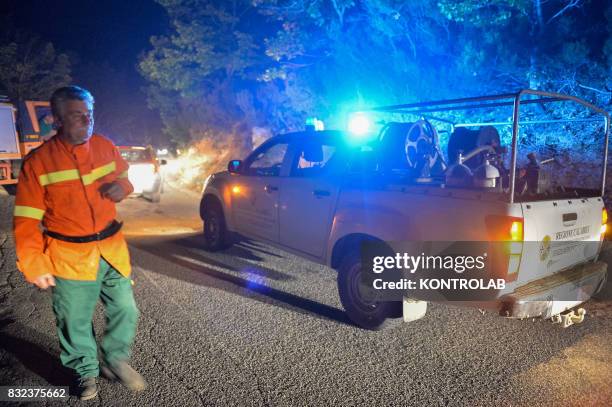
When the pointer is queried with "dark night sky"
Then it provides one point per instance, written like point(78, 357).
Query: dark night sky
point(113, 31)
point(105, 33)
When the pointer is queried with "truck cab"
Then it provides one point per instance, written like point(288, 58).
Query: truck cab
point(22, 129)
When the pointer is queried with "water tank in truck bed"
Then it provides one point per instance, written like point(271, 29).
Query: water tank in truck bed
point(465, 140)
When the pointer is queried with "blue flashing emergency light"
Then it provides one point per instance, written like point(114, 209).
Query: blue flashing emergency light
point(359, 124)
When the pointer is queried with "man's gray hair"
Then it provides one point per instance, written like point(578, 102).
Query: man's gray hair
point(61, 95)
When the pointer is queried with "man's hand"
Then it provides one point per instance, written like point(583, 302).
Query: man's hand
point(45, 281)
point(112, 191)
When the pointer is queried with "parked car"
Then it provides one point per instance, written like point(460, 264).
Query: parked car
point(145, 171)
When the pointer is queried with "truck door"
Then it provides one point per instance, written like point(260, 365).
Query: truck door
point(9, 145)
point(256, 191)
point(308, 196)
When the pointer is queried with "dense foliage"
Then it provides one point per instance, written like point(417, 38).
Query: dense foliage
point(230, 66)
point(30, 68)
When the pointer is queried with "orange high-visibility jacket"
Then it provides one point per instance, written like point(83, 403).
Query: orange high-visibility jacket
point(59, 184)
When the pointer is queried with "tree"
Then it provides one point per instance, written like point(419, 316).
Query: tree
point(554, 46)
point(31, 68)
point(119, 109)
point(206, 62)
point(294, 58)
point(271, 63)
point(356, 53)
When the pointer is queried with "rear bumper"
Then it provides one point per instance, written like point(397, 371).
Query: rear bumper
point(554, 294)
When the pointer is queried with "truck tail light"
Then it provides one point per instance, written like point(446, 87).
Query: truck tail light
point(504, 228)
point(516, 230)
point(604, 221)
point(506, 236)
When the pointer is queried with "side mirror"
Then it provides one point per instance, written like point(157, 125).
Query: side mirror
point(163, 162)
point(234, 166)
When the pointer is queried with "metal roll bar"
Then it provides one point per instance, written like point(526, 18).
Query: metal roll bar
point(506, 99)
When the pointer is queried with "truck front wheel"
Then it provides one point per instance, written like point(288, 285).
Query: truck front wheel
point(367, 314)
point(216, 235)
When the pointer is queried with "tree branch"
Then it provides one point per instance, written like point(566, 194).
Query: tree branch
point(572, 4)
point(339, 12)
point(596, 90)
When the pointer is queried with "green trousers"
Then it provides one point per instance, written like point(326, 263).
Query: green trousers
point(74, 303)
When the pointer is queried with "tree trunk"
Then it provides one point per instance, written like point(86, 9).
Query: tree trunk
point(537, 23)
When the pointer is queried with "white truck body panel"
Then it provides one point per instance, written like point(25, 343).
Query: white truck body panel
point(305, 211)
point(544, 224)
point(255, 210)
point(9, 143)
point(296, 220)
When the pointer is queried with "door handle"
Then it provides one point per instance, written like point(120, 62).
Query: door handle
point(320, 193)
point(270, 188)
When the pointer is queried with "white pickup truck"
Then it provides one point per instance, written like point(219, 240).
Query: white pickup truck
point(320, 194)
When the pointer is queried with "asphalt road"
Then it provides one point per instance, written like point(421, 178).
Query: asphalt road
point(257, 326)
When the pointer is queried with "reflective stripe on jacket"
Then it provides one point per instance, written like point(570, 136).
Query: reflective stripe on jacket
point(59, 185)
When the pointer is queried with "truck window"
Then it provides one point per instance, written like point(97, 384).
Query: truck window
point(8, 139)
point(314, 158)
point(268, 162)
point(45, 122)
point(136, 155)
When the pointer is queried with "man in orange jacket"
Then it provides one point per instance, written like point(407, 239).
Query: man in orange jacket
point(67, 238)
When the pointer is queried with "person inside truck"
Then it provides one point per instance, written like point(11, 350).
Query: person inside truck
point(45, 124)
point(315, 156)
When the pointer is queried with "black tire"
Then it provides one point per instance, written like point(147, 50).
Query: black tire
point(156, 192)
point(155, 197)
point(372, 315)
point(216, 235)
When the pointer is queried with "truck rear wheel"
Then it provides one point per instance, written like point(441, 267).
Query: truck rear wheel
point(216, 235)
point(156, 191)
point(367, 314)
point(155, 197)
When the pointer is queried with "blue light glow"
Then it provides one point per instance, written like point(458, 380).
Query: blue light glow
point(359, 124)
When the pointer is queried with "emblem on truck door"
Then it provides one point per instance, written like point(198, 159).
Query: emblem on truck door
point(545, 248)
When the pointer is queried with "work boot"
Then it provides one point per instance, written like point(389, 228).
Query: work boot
point(125, 374)
point(87, 388)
